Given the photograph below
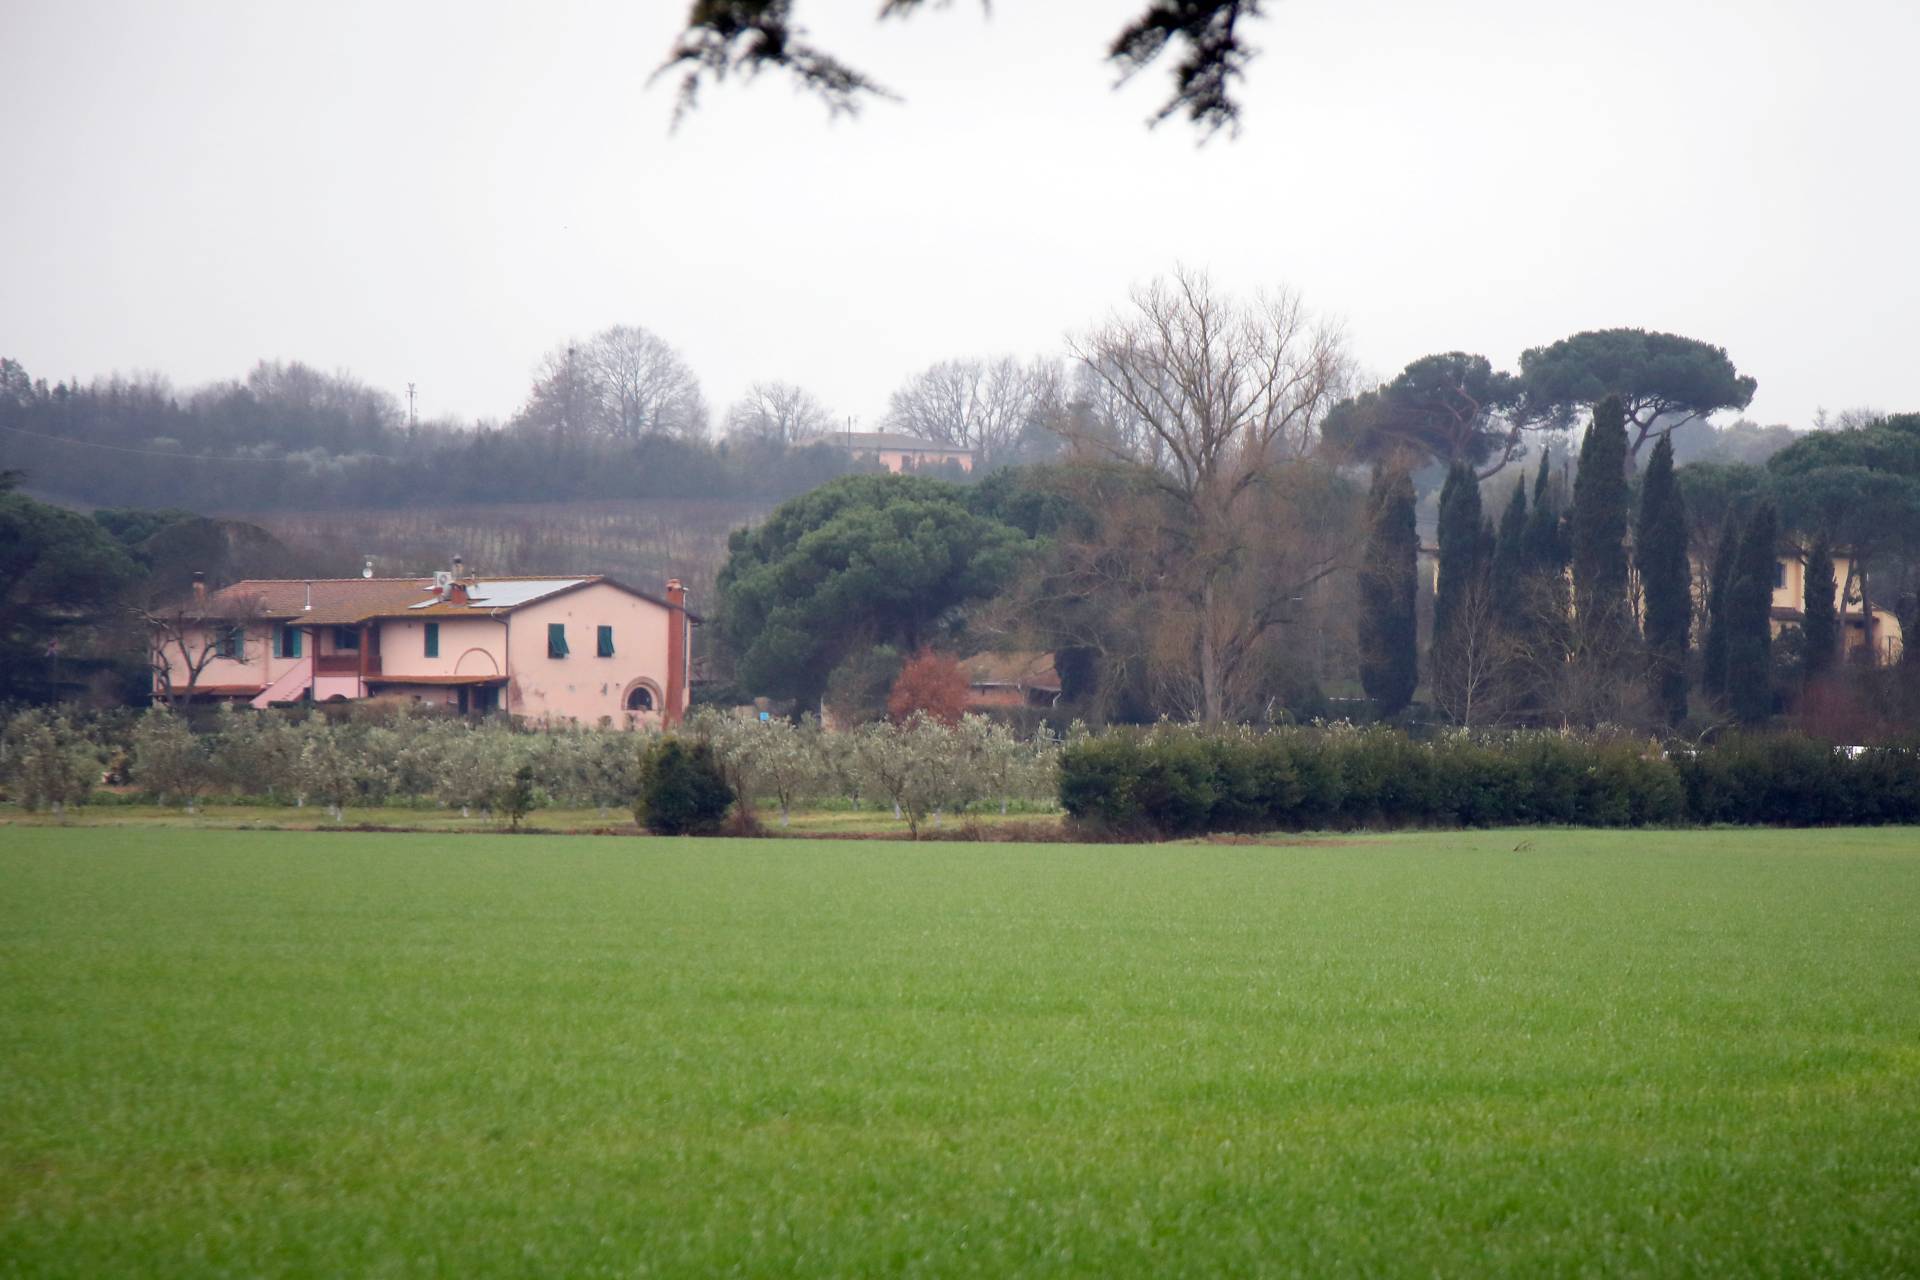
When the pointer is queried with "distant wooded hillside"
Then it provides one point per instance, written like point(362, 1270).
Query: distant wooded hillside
point(643, 543)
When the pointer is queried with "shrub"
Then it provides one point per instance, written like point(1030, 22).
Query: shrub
point(1098, 782)
point(1181, 781)
point(931, 684)
point(682, 791)
point(518, 798)
point(1178, 785)
point(857, 689)
point(46, 762)
point(169, 760)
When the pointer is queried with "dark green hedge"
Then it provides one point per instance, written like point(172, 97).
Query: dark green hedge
point(1177, 781)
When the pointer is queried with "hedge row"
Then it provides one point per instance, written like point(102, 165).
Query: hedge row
point(1175, 782)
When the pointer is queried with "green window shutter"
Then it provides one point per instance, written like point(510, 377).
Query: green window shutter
point(606, 642)
point(433, 639)
point(556, 639)
point(289, 642)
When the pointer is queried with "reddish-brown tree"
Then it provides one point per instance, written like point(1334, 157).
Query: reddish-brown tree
point(932, 683)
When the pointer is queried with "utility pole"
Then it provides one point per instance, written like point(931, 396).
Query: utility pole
point(413, 415)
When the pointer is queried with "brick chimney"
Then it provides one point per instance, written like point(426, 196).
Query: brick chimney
point(676, 708)
point(199, 587)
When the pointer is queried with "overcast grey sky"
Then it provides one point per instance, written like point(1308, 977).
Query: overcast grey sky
point(439, 193)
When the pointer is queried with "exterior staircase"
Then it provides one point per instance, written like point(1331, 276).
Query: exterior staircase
point(289, 687)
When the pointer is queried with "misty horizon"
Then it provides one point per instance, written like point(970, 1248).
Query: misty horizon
point(442, 196)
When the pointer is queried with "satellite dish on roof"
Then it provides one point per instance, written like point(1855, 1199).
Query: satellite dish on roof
point(442, 579)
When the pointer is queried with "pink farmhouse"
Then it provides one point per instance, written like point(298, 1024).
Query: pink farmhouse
point(556, 649)
point(900, 453)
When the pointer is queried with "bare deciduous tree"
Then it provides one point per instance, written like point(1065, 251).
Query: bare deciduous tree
point(623, 383)
point(988, 406)
point(1227, 397)
point(1478, 677)
point(778, 412)
point(645, 386)
point(1579, 672)
point(196, 631)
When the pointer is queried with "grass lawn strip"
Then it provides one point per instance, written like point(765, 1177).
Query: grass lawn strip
point(272, 1053)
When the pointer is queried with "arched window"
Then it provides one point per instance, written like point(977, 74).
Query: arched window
point(640, 698)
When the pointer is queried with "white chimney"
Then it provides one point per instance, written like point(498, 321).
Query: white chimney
point(308, 606)
point(367, 572)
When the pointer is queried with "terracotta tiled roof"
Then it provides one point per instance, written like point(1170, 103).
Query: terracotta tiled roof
point(1021, 670)
point(336, 601)
point(345, 601)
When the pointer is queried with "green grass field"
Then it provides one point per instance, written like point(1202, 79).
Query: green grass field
point(276, 1053)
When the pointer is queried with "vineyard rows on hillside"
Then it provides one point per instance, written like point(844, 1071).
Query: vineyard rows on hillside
point(642, 543)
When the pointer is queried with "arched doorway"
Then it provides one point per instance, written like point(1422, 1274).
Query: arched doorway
point(641, 702)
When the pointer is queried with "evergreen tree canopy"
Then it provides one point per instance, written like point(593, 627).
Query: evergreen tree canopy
point(1660, 547)
point(1749, 617)
point(1389, 642)
point(1464, 544)
point(864, 560)
point(1713, 652)
point(728, 38)
point(1459, 545)
point(1451, 408)
point(1546, 550)
point(1820, 625)
point(1600, 499)
point(59, 572)
point(1663, 380)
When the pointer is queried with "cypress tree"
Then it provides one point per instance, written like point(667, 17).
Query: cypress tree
point(1713, 650)
point(1459, 544)
point(1600, 500)
point(1820, 626)
point(1543, 602)
point(1507, 578)
point(1749, 617)
point(1389, 582)
point(1545, 548)
point(1462, 568)
point(1660, 550)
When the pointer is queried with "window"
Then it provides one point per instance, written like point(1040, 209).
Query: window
point(231, 642)
point(289, 642)
point(433, 639)
point(641, 699)
point(606, 642)
point(556, 639)
point(346, 639)
point(1779, 574)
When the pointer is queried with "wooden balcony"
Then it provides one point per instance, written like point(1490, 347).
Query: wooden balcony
point(345, 664)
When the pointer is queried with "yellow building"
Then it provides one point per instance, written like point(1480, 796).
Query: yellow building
point(1877, 629)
